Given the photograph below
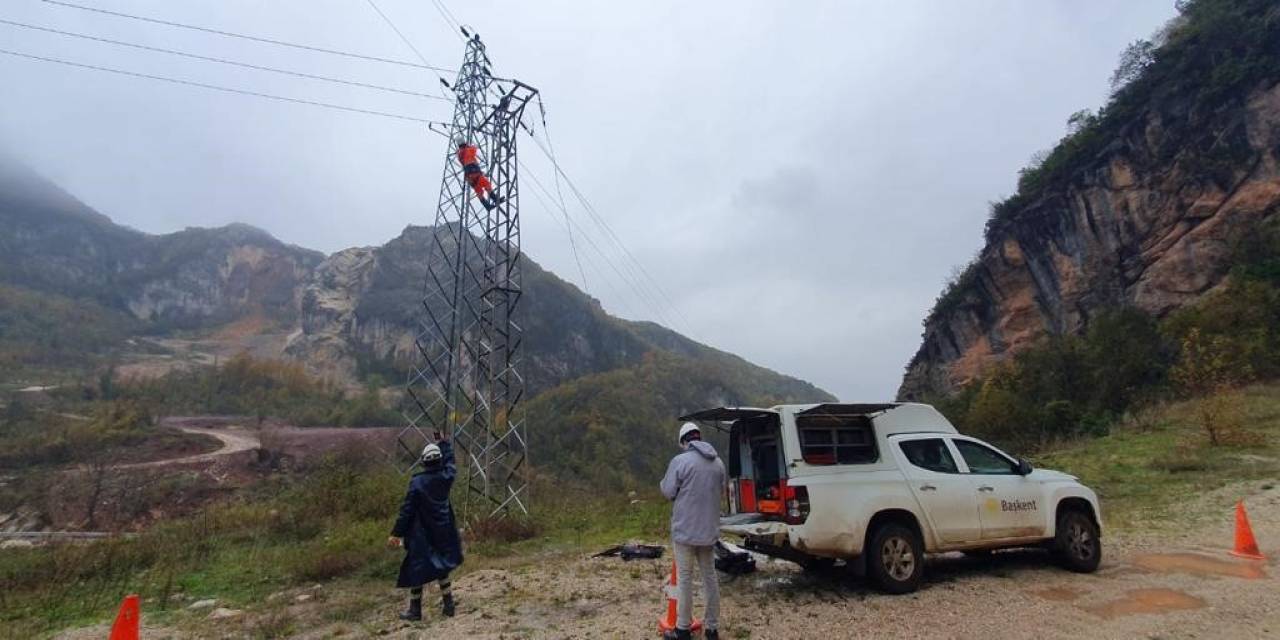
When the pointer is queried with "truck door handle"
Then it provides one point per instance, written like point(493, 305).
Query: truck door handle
point(986, 488)
point(928, 487)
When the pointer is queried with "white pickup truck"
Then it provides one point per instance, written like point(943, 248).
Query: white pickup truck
point(880, 485)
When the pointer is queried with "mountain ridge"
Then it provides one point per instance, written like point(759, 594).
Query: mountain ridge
point(348, 315)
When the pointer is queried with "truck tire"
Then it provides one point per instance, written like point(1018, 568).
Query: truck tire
point(895, 558)
point(1077, 544)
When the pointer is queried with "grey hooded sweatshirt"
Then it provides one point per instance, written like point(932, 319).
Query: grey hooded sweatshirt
point(695, 481)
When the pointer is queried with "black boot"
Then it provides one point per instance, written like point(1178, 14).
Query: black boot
point(678, 634)
point(711, 634)
point(446, 605)
point(415, 610)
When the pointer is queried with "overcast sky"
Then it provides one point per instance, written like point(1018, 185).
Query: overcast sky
point(799, 178)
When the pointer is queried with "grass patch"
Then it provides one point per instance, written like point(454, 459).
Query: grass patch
point(1141, 475)
point(326, 525)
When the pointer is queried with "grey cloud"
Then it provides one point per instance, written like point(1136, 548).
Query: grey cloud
point(800, 180)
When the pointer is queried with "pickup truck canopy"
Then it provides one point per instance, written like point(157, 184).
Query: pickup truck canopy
point(727, 414)
point(833, 409)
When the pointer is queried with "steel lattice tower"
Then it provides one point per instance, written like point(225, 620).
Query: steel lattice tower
point(466, 382)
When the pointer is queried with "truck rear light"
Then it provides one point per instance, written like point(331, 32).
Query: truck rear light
point(797, 503)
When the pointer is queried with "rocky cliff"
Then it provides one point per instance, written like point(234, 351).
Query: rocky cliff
point(1149, 221)
point(361, 306)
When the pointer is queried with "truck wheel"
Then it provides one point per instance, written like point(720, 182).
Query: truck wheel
point(1077, 543)
point(895, 558)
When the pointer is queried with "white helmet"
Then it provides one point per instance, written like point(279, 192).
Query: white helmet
point(431, 453)
point(685, 430)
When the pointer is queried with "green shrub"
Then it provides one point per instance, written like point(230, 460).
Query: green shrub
point(244, 385)
point(1068, 386)
point(1257, 252)
point(29, 439)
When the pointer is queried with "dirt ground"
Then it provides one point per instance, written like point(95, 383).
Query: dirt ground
point(1177, 583)
point(1147, 588)
point(155, 357)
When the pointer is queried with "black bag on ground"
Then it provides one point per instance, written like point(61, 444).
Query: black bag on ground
point(733, 560)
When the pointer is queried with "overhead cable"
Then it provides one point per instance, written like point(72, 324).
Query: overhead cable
point(645, 296)
point(231, 34)
point(449, 20)
point(245, 65)
point(560, 194)
point(215, 87)
point(608, 230)
point(548, 208)
point(406, 41)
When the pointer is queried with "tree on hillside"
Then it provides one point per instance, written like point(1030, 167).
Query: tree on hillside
point(1205, 372)
point(1133, 61)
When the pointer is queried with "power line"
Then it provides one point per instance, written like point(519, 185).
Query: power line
point(567, 225)
point(572, 243)
point(628, 280)
point(231, 34)
point(624, 278)
point(246, 65)
point(560, 194)
point(609, 232)
point(449, 20)
point(405, 40)
point(215, 87)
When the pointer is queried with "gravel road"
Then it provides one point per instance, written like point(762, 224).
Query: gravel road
point(232, 439)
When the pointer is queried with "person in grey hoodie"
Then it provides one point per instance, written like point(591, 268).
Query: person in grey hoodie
point(695, 482)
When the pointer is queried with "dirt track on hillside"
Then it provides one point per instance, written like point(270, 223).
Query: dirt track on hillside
point(233, 441)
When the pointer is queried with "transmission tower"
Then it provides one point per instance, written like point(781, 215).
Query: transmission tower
point(466, 383)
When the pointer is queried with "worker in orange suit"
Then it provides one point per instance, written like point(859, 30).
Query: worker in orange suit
point(471, 171)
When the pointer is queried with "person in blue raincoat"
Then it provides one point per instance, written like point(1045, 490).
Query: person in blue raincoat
point(427, 530)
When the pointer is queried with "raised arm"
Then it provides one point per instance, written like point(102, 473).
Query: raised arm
point(450, 466)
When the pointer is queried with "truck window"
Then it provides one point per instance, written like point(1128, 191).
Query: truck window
point(766, 461)
point(826, 440)
point(984, 460)
point(930, 454)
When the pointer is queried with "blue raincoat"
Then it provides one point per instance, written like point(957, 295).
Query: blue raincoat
point(432, 545)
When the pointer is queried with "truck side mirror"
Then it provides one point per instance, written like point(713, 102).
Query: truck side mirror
point(1024, 467)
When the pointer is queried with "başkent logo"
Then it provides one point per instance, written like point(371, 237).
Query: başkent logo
point(1017, 505)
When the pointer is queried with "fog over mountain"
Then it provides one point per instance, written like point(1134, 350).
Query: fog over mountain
point(800, 183)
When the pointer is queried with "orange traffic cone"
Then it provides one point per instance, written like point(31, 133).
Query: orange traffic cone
point(668, 622)
point(126, 625)
point(1246, 546)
